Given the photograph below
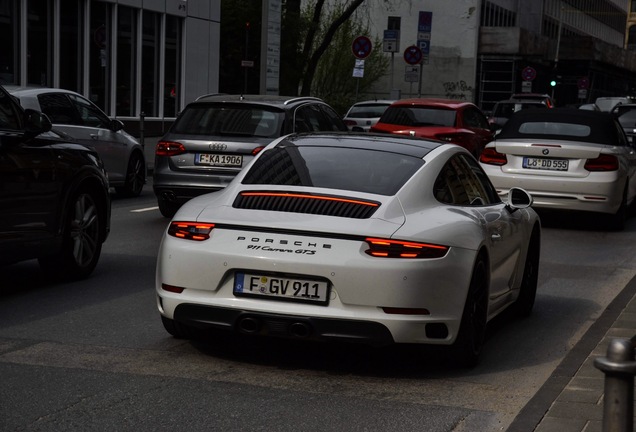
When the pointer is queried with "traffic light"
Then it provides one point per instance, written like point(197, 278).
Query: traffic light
point(553, 82)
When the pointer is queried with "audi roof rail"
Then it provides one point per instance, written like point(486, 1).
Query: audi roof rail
point(302, 98)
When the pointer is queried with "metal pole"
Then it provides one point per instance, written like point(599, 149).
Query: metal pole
point(142, 117)
point(618, 400)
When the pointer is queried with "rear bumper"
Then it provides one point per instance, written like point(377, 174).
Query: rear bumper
point(284, 326)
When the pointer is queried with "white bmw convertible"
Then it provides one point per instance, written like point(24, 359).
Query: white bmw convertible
point(378, 239)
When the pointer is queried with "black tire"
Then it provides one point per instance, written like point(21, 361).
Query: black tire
point(178, 330)
point(168, 209)
point(135, 176)
point(467, 348)
point(82, 241)
point(528, 289)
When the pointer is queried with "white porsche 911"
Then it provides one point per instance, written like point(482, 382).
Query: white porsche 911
point(362, 238)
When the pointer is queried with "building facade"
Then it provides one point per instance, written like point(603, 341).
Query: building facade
point(485, 50)
point(133, 58)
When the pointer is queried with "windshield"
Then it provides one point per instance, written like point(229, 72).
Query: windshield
point(419, 116)
point(230, 120)
point(361, 170)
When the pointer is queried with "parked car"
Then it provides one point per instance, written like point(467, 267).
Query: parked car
point(216, 136)
point(454, 121)
point(73, 114)
point(540, 97)
point(567, 159)
point(607, 104)
point(362, 115)
point(502, 110)
point(626, 115)
point(54, 201)
point(376, 239)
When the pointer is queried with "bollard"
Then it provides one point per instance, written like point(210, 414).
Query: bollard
point(619, 368)
point(142, 117)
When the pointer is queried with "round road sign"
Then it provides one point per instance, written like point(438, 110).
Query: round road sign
point(361, 47)
point(528, 73)
point(413, 55)
point(583, 83)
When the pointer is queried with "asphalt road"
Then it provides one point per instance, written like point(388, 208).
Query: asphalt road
point(92, 355)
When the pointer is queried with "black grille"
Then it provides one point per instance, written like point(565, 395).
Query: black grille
point(327, 205)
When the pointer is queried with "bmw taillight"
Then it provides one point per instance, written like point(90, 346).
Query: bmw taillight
point(491, 156)
point(384, 248)
point(602, 163)
point(169, 148)
point(190, 230)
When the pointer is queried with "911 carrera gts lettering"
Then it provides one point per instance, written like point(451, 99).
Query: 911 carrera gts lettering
point(272, 249)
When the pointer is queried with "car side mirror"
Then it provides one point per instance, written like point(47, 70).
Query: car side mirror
point(36, 122)
point(116, 125)
point(518, 199)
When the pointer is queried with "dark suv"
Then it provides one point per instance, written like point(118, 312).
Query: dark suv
point(54, 201)
point(216, 136)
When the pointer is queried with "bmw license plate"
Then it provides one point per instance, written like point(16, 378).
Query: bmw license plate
point(222, 160)
point(545, 164)
point(282, 288)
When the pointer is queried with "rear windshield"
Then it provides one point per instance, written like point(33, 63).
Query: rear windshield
point(360, 170)
point(367, 111)
point(507, 109)
point(227, 120)
point(419, 116)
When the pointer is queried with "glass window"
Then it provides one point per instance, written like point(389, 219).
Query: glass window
point(126, 60)
point(9, 30)
point(462, 182)
point(59, 108)
point(419, 116)
point(149, 64)
point(238, 120)
point(89, 114)
point(71, 42)
point(8, 114)
point(172, 66)
point(333, 120)
point(39, 42)
point(100, 54)
point(351, 169)
point(555, 128)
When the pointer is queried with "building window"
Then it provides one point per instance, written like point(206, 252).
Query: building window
point(39, 42)
point(99, 76)
point(126, 60)
point(172, 70)
point(150, 64)
point(9, 30)
point(631, 38)
point(71, 43)
point(493, 15)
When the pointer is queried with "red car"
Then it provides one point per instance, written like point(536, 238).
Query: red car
point(454, 121)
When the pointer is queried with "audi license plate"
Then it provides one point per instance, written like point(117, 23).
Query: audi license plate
point(282, 288)
point(545, 164)
point(222, 160)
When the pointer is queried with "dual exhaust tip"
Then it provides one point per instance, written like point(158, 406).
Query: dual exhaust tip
point(251, 325)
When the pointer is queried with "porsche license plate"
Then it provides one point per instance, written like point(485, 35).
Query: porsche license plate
point(283, 288)
point(545, 164)
point(222, 160)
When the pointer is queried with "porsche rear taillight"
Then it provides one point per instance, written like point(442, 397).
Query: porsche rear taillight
point(602, 163)
point(190, 230)
point(384, 248)
point(169, 148)
point(490, 156)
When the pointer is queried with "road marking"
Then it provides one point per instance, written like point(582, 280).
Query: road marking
point(144, 209)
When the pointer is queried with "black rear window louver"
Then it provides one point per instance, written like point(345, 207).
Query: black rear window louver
point(327, 205)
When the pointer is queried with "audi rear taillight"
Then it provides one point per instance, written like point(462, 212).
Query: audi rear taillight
point(602, 163)
point(169, 148)
point(491, 156)
point(384, 248)
point(190, 230)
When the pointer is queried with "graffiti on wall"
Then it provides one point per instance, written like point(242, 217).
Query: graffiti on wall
point(458, 90)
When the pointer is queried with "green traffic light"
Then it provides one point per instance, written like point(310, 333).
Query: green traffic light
point(552, 83)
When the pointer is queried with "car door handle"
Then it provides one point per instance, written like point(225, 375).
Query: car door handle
point(94, 136)
point(495, 237)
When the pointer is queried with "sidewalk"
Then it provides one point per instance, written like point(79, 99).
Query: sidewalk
point(572, 398)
